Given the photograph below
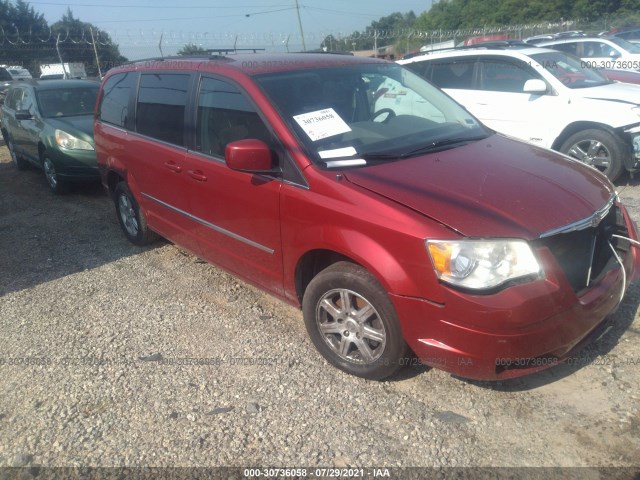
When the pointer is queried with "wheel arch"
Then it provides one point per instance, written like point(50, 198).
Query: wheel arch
point(41, 150)
point(113, 178)
point(313, 262)
point(364, 251)
point(576, 127)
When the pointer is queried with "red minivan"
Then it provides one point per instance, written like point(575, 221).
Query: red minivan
point(357, 190)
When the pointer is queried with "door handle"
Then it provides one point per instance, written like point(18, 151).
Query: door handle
point(173, 166)
point(197, 175)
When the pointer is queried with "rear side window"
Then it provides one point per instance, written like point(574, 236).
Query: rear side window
point(5, 75)
point(456, 74)
point(114, 105)
point(567, 48)
point(224, 116)
point(13, 98)
point(500, 76)
point(162, 101)
point(598, 50)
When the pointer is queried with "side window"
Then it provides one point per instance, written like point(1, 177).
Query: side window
point(571, 48)
point(598, 50)
point(421, 68)
point(27, 102)
point(13, 98)
point(5, 76)
point(224, 116)
point(114, 104)
point(160, 110)
point(457, 74)
point(501, 76)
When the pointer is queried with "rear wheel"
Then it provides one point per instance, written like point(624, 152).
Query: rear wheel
point(131, 218)
point(352, 322)
point(56, 184)
point(597, 148)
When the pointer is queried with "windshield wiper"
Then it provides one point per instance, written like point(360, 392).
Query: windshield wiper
point(436, 144)
point(362, 158)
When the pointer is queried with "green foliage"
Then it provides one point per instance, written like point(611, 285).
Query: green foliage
point(29, 40)
point(191, 49)
point(83, 51)
point(465, 14)
point(395, 23)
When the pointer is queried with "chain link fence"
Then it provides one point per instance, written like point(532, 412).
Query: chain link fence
point(101, 50)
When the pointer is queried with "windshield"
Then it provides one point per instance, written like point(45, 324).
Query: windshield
point(628, 46)
point(358, 114)
point(570, 70)
point(67, 102)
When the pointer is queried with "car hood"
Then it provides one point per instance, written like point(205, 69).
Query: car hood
point(497, 187)
point(78, 125)
point(617, 92)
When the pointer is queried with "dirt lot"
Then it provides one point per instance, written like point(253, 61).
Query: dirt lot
point(99, 339)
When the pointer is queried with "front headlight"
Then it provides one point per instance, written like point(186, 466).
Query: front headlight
point(482, 264)
point(68, 141)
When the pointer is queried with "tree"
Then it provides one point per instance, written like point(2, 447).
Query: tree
point(192, 49)
point(380, 32)
point(77, 41)
point(21, 28)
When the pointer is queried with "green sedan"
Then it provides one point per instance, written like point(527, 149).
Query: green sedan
point(50, 124)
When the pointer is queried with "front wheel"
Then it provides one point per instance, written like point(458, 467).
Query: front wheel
point(597, 148)
point(352, 322)
point(131, 218)
point(56, 184)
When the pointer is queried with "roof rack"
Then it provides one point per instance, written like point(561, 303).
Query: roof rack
point(488, 45)
point(212, 54)
point(327, 52)
point(234, 50)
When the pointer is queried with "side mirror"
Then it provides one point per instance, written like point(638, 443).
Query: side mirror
point(23, 115)
point(535, 86)
point(614, 54)
point(249, 155)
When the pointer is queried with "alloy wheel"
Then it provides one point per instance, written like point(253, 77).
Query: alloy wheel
point(128, 215)
point(592, 152)
point(351, 326)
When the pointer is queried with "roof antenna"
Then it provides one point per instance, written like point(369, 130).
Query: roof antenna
point(160, 45)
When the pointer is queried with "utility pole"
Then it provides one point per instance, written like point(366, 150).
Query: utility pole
point(95, 51)
point(304, 47)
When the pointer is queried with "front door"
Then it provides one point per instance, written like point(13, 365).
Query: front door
point(238, 212)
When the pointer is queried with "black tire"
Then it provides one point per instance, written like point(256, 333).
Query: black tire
point(19, 162)
point(598, 148)
point(131, 218)
point(56, 184)
point(346, 341)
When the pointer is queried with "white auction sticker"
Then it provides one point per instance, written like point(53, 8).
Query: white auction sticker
point(322, 124)
point(338, 153)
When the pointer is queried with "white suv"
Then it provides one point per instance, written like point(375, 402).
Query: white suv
point(544, 97)
point(612, 53)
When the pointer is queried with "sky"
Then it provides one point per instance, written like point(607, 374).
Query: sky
point(140, 25)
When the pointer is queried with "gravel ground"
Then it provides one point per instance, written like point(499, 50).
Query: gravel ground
point(95, 333)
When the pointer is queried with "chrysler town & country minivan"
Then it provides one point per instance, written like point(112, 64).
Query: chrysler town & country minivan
point(399, 233)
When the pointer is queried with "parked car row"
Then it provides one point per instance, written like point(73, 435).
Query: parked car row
point(357, 190)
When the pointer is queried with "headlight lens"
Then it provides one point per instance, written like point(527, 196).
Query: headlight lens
point(482, 264)
point(68, 141)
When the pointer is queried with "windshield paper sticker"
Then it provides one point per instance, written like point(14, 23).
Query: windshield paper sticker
point(322, 124)
point(338, 152)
